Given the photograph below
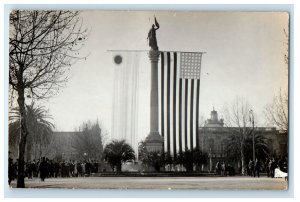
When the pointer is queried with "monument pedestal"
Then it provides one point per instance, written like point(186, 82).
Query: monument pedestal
point(154, 141)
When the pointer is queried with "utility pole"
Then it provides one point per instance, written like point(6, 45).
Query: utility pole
point(253, 133)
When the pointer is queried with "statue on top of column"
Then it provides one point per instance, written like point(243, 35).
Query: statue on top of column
point(152, 35)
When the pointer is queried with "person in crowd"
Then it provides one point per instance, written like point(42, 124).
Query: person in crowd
point(88, 168)
point(34, 169)
point(282, 164)
point(30, 170)
point(230, 170)
point(251, 168)
point(67, 169)
point(71, 174)
point(257, 167)
point(248, 169)
point(218, 166)
point(270, 165)
point(273, 166)
point(285, 167)
point(26, 168)
point(79, 169)
point(51, 169)
point(223, 169)
point(83, 168)
point(43, 169)
point(267, 168)
point(11, 170)
point(37, 165)
point(95, 166)
point(75, 169)
point(56, 169)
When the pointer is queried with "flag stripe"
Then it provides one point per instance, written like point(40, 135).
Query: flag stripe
point(197, 114)
point(174, 104)
point(191, 115)
point(180, 115)
point(162, 97)
point(186, 114)
point(168, 100)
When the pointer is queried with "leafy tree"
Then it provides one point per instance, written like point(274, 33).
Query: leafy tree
point(168, 159)
point(185, 158)
point(200, 158)
point(39, 127)
point(42, 47)
point(89, 141)
point(261, 148)
point(142, 150)
point(180, 160)
point(118, 152)
point(190, 158)
point(153, 159)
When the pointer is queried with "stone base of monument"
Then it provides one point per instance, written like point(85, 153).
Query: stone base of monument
point(154, 142)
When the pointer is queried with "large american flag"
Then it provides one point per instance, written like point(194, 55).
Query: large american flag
point(179, 100)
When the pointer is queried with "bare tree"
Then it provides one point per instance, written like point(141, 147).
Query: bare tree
point(286, 54)
point(276, 113)
point(42, 47)
point(89, 141)
point(238, 124)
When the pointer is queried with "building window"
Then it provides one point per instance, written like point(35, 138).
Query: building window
point(211, 146)
point(223, 148)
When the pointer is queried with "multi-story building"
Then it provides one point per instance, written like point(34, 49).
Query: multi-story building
point(214, 136)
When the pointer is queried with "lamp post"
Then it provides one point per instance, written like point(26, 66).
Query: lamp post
point(210, 163)
point(251, 118)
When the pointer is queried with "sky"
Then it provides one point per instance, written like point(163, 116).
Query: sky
point(244, 57)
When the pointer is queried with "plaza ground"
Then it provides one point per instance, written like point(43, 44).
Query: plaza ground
point(200, 183)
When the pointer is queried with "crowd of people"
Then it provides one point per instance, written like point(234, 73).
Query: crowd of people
point(254, 168)
point(273, 163)
point(269, 166)
point(46, 168)
point(224, 170)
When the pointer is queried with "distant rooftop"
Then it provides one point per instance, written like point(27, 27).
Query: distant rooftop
point(214, 121)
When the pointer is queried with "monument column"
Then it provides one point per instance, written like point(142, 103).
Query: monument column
point(154, 142)
point(154, 58)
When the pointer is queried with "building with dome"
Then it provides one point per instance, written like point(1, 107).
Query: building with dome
point(213, 139)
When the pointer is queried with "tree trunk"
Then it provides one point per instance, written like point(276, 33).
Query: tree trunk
point(40, 150)
point(23, 136)
point(28, 152)
point(35, 150)
point(157, 167)
point(119, 167)
point(243, 161)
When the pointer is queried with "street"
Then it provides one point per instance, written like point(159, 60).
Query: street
point(200, 183)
